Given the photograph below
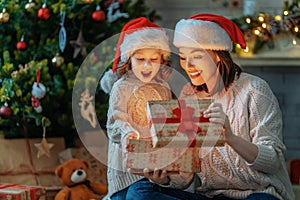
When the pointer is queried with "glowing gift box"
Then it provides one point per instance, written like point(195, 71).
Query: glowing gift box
point(141, 154)
point(180, 123)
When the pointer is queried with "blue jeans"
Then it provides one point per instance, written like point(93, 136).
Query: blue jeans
point(146, 190)
point(120, 195)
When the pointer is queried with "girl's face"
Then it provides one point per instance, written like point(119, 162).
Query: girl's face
point(199, 64)
point(145, 64)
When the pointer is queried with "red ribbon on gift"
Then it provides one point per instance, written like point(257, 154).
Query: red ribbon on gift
point(187, 125)
point(186, 118)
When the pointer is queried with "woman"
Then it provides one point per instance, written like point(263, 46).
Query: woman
point(251, 165)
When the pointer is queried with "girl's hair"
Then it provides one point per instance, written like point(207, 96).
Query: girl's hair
point(126, 66)
point(227, 68)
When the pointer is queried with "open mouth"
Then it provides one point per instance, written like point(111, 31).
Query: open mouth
point(146, 74)
point(195, 74)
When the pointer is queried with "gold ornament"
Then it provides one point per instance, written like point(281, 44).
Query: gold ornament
point(88, 1)
point(43, 147)
point(58, 60)
point(4, 16)
point(29, 6)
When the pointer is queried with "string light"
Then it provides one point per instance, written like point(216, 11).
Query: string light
point(296, 29)
point(256, 32)
point(248, 20)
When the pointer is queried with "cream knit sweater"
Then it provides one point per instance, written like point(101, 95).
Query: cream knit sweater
point(119, 124)
point(254, 115)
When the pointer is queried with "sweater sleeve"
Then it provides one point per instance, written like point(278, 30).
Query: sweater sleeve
point(118, 125)
point(265, 127)
point(182, 180)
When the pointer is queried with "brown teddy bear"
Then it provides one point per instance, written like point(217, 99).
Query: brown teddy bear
point(74, 174)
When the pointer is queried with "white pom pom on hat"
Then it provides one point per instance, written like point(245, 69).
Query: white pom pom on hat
point(108, 80)
point(208, 31)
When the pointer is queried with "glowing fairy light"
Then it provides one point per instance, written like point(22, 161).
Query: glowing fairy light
point(264, 25)
point(248, 20)
point(294, 41)
point(296, 29)
point(256, 32)
point(277, 17)
point(285, 13)
point(261, 19)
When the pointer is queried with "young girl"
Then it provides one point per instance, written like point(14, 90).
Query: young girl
point(141, 53)
point(251, 165)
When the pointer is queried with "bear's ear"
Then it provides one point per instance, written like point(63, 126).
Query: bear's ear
point(85, 163)
point(59, 171)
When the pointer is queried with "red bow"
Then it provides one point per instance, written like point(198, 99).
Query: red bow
point(187, 124)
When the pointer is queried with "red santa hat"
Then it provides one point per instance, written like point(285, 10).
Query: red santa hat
point(137, 34)
point(208, 31)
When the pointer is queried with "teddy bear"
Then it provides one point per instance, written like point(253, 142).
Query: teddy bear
point(74, 174)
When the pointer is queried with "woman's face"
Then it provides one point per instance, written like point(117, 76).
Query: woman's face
point(145, 64)
point(199, 64)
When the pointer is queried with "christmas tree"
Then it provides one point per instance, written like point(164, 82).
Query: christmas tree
point(42, 45)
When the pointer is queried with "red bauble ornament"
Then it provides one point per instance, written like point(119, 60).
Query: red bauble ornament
point(6, 112)
point(44, 13)
point(235, 3)
point(21, 45)
point(98, 15)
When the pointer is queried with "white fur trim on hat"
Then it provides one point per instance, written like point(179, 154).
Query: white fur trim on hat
point(108, 80)
point(201, 34)
point(145, 38)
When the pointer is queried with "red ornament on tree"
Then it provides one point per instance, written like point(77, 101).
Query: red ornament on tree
point(98, 15)
point(235, 3)
point(5, 111)
point(21, 45)
point(44, 13)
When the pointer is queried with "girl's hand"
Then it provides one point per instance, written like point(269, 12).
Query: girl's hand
point(216, 114)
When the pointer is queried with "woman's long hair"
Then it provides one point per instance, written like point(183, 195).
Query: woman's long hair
point(228, 69)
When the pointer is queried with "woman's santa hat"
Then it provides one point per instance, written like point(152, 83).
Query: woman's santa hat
point(137, 34)
point(208, 31)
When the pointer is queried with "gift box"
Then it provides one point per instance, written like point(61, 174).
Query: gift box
point(97, 170)
point(20, 164)
point(141, 154)
point(12, 194)
point(22, 192)
point(180, 123)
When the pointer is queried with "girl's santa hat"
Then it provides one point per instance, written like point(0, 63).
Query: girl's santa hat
point(137, 34)
point(208, 31)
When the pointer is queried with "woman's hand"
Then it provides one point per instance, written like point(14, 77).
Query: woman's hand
point(216, 114)
point(157, 176)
